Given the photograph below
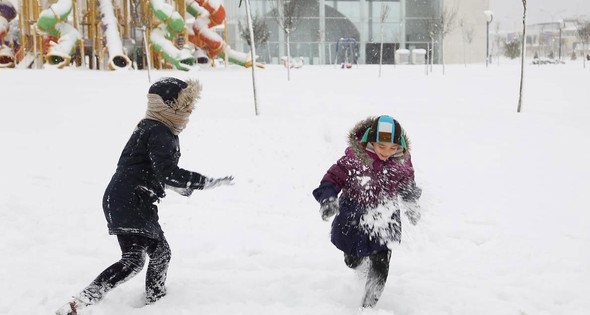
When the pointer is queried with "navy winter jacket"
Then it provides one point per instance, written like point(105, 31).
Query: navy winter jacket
point(148, 163)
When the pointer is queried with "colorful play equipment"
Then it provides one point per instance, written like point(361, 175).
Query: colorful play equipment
point(117, 58)
point(53, 22)
point(171, 26)
point(117, 34)
point(210, 14)
point(7, 14)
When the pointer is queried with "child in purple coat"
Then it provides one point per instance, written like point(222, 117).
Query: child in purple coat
point(374, 178)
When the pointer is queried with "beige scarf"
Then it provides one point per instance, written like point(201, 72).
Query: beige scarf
point(176, 115)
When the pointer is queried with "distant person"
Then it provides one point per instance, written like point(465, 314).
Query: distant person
point(147, 166)
point(588, 57)
point(374, 180)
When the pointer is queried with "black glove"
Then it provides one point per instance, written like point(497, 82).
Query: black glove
point(215, 182)
point(413, 216)
point(412, 211)
point(328, 208)
point(411, 192)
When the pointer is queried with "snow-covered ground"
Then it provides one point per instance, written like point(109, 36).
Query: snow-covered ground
point(506, 223)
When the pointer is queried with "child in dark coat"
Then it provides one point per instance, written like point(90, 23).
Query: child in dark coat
point(374, 179)
point(147, 166)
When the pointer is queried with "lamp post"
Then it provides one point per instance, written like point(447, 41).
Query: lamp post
point(489, 18)
point(561, 26)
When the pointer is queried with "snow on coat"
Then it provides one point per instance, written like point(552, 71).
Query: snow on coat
point(148, 163)
point(369, 217)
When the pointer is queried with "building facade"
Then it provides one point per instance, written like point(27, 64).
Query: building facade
point(335, 31)
point(555, 40)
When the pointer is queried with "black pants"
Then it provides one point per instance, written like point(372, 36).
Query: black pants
point(134, 249)
point(377, 276)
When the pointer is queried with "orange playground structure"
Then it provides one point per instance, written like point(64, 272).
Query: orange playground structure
point(114, 34)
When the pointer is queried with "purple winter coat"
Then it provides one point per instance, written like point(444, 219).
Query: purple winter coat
point(366, 186)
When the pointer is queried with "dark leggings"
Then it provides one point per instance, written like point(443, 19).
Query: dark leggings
point(377, 276)
point(134, 249)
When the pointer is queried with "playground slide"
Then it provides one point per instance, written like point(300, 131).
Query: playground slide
point(117, 59)
point(204, 37)
point(7, 14)
point(182, 59)
point(27, 61)
point(173, 24)
point(208, 14)
point(52, 22)
point(6, 57)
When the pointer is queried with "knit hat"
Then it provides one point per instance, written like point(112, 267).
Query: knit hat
point(385, 129)
point(168, 89)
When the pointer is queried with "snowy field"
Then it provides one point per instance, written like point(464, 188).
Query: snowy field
point(506, 219)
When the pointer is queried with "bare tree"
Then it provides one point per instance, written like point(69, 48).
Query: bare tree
point(440, 27)
point(260, 28)
point(252, 53)
point(497, 48)
point(584, 36)
point(287, 14)
point(469, 36)
point(467, 32)
point(432, 31)
point(384, 13)
point(522, 54)
point(447, 24)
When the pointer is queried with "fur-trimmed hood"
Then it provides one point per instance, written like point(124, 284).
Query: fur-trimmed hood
point(359, 149)
point(174, 112)
point(188, 97)
point(177, 94)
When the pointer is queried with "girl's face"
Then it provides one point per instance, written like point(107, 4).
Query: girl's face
point(385, 150)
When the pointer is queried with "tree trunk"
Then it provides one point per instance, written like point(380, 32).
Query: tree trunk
point(381, 50)
point(442, 54)
point(288, 56)
point(253, 55)
point(522, 54)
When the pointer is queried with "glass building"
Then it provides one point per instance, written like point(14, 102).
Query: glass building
point(334, 31)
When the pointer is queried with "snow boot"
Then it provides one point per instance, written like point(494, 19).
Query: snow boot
point(378, 271)
point(373, 290)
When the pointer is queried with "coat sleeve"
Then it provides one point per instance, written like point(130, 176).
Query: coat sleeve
point(332, 182)
point(162, 155)
point(408, 190)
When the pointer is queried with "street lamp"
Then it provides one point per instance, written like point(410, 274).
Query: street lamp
point(489, 18)
point(559, 23)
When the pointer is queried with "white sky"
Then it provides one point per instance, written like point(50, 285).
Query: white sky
point(509, 12)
